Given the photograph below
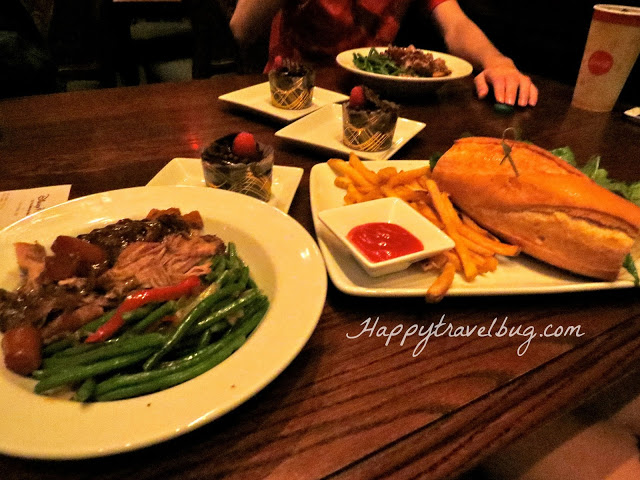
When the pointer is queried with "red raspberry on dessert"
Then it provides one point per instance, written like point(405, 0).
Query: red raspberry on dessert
point(357, 98)
point(244, 145)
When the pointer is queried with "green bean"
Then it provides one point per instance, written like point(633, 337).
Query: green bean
point(83, 347)
point(243, 278)
point(77, 373)
point(205, 339)
point(236, 337)
point(165, 309)
point(125, 345)
point(225, 311)
point(228, 276)
point(248, 323)
point(172, 379)
point(218, 327)
point(259, 310)
point(128, 317)
point(199, 355)
point(97, 323)
point(201, 309)
point(57, 346)
point(218, 265)
point(232, 255)
point(37, 374)
point(85, 392)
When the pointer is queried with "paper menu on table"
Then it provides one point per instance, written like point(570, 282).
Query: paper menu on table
point(16, 204)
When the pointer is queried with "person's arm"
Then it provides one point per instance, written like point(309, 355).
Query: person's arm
point(252, 19)
point(465, 39)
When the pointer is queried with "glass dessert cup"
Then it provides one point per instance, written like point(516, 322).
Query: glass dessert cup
point(291, 91)
point(368, 130)
point(246, 176)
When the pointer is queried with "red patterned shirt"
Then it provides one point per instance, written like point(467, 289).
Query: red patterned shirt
point(314, 29)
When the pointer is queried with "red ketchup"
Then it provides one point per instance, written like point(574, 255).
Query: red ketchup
point(380, 241)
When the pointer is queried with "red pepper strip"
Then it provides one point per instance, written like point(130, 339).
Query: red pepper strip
point(137, 300)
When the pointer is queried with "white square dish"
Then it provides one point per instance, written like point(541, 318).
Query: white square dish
point(514, 276)
point(188, 172)
point(258, 99)
point(342, 220)
point(323, 128)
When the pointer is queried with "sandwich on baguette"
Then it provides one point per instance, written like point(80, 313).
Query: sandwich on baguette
point(540, 203)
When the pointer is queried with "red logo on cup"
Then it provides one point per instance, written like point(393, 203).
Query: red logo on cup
point(600, 62)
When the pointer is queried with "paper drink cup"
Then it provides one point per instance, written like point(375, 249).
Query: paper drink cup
point(612, 47)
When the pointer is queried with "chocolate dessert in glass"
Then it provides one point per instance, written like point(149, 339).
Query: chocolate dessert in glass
point(238, 163)
point(291, 84)
point(368, 123)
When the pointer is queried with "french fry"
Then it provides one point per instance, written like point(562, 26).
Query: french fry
point(488, 243)
point(469, 222)
point(474, 235)
point(447, 216)
point(344, 169)
point(430, 215)
point(416, 195)
point(441, 285)
point(355, 194)
point(453, 257)
point(422, 181)
point(358, 166)
point(342, 182)
point(408, 176)
point(374, 194)
point(384, 174)
point(337, 165)
point(476, 248)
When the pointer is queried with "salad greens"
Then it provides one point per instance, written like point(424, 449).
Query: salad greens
point(375, 62)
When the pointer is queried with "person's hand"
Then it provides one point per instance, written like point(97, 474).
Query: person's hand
point(508, 83)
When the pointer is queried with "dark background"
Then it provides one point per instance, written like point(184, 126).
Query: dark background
point(90, 39)
point(542, 37)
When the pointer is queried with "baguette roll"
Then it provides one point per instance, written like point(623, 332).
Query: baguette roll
point(550, 209)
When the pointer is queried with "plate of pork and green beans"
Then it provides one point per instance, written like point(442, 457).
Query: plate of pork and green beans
point(164, 306)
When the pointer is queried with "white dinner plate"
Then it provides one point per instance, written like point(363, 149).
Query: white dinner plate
point(188, 171)
point(258, 99)
point(323, 129)
point(520, 275)
point(285, 263)
point(459, 69)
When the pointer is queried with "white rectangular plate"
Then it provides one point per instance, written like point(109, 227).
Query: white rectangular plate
point(323, 128)
point(520, 275)
point(258, 98)
point(188, 172)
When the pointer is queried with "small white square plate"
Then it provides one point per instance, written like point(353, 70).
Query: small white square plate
point(188, 172)
point(323, 128)
point(258, 98)
point(342, 220)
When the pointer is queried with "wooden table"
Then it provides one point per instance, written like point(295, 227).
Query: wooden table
point(346, 408)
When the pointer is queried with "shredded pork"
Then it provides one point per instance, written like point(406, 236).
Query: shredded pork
point(161, 250)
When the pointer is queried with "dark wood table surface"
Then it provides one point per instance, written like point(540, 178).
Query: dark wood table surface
point(346, 408)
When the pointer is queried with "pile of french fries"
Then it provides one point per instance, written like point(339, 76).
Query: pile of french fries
point(475, 250)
